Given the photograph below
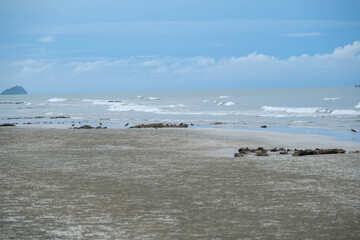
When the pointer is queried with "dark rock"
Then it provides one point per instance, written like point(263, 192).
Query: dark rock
point(89, 127)
point(318, 152)
point(263, 126)
point(126, 125)
point(59, 117)
point(217, 123)
point(160, 125)
point(261, 152)
point(7, 125)
point(8, 102)
point(14, 90)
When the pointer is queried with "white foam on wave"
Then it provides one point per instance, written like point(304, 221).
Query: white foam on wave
point(306, 111)
point(332, 99)
point(345, 112)
point(175, 105)
point(99, 101)
point(229, 103)
point(223, 103)
point(358, 106)
point(121, 107)
point(56, 100)
point(153, 98)
point(222, 97)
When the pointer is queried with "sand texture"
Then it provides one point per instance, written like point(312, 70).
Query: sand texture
point(173, 184)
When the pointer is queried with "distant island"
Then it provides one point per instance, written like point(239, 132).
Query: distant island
point(14, 90)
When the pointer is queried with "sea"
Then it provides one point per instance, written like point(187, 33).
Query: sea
point(331, 111)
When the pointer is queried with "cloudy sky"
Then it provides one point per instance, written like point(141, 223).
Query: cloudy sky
point(145, 45)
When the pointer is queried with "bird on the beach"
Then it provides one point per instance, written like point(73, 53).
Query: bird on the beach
point(353, 131)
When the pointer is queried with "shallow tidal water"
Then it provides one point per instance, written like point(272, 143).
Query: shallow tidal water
point(168, 184)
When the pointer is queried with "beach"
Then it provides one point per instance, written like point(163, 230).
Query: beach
point(59, 183)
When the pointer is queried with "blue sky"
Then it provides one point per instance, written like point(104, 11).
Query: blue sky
point(108, 46)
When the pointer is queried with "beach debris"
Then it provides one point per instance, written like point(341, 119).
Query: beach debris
point(89, 127)
point(7, 125)
point(161, 125)
point(261, 152)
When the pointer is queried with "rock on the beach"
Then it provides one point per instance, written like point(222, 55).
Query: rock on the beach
point(318, 151)
point(89, 127)
point(7, 125)
point(161, 125)
point(282, 151)
point(261, 152)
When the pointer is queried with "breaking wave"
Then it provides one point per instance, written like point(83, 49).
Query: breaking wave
point(311, 111)
point(56, 100)
point(332, 99)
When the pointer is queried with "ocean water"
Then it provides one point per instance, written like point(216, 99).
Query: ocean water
point(330, 111)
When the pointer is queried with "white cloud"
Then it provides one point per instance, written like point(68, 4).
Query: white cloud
point(99, 65)
point(151, 63)
point(340, 67)
point(46, 39)
point(302, 35)
point(28, 62)
point(254, 65)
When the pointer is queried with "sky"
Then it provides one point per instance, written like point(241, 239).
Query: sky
point(70, 46)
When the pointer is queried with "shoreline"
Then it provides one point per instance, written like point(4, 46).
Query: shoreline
point(312, 137)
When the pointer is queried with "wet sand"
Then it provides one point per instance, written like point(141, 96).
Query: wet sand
point(173, 184)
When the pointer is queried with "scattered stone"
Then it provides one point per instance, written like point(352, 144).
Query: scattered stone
point(281, 151)
point(260, 152)
point(8, 102)
point(59, 117)
point(263, 126)
point(217, 123)
point(89, 127)
point(318, 151)
point(7, 125)
point(161, 125)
